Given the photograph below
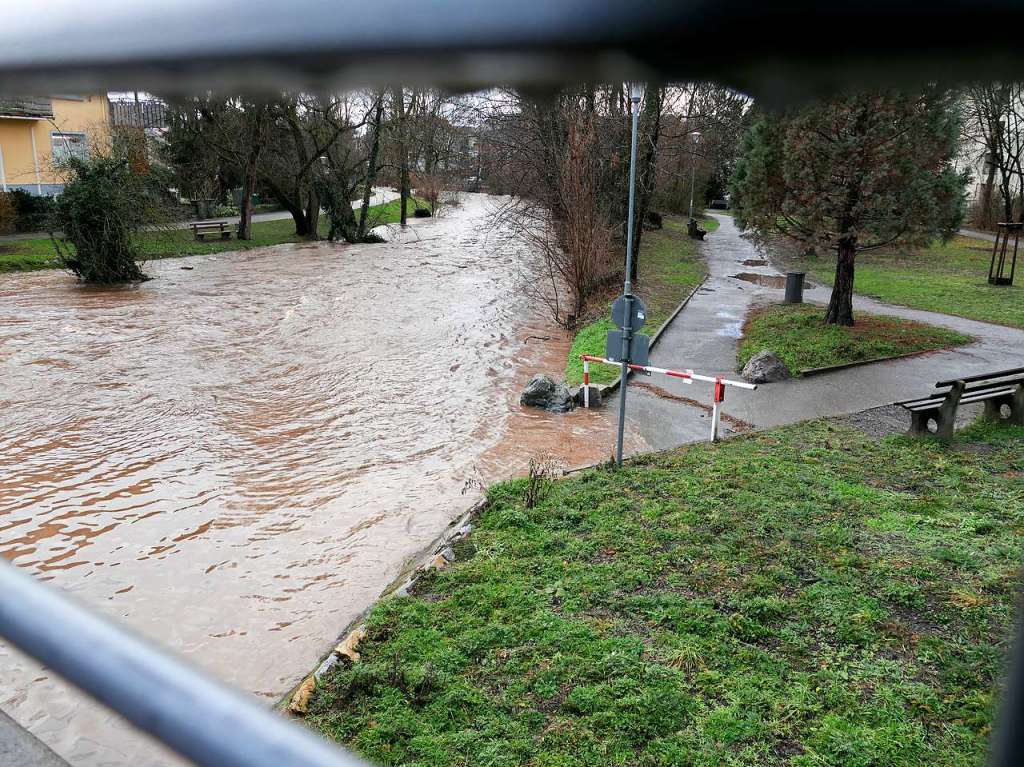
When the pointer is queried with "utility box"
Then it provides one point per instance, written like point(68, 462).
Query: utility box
point(795, 287)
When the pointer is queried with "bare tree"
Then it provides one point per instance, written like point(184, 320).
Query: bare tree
point(994, 117)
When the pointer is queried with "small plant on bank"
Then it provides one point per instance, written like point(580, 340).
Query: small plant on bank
point(542, 469)
point(101, 209)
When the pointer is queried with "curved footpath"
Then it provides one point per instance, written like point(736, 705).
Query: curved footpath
point(705, 335)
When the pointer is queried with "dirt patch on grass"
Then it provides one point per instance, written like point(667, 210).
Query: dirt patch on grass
point(736, 424)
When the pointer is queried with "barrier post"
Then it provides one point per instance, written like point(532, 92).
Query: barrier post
point(586, 383)
point(716, 409)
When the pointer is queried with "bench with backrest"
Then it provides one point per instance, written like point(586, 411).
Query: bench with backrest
point(997, 390)
point(222, 229)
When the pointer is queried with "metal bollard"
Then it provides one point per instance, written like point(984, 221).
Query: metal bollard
point(586, 383)
point(716, 410)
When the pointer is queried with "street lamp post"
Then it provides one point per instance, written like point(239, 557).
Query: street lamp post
point(635, 94)
point(693, 169)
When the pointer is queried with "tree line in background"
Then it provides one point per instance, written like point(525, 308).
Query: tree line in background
point(992, 127)
point(314, 154)
point(852, 173)
point(563, 162)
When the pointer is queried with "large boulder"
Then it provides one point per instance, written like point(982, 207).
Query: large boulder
point(765, 367)
point(544, 393)
point(595, 396)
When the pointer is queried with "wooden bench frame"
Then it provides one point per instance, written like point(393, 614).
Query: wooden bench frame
point(1005, 387)
point(201, 228)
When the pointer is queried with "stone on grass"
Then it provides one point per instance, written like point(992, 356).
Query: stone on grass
point(765, 367)
point(544, 393)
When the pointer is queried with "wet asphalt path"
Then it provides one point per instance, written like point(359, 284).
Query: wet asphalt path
point(705, 335)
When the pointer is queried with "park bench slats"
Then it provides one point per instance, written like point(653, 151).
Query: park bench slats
point(996, 390)
point(981, 377)
point(222, 229)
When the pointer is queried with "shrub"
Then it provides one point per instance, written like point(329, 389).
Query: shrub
point(8, 214)
point(102, 207)
point(654, 220)
point(33, 211)
point(421, 213)
point(429, 187)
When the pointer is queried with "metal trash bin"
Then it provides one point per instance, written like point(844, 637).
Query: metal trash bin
point(795, 287)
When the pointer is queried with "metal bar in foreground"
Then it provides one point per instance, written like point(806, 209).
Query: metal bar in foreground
point(200, 719)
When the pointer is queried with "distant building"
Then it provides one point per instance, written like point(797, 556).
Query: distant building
point(37, 133)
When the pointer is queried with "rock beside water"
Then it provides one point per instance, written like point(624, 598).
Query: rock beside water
point(765, 367)
point(543, 392)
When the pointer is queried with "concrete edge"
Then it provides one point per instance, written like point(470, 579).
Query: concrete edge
point(810, 372)
point(20, 748)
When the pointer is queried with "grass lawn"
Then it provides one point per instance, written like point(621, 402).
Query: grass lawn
point(950, 278)
point(806, 596)
point(27, 255)
point(670, 267)
point(798, 334)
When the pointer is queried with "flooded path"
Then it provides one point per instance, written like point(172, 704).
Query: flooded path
point(236, 459)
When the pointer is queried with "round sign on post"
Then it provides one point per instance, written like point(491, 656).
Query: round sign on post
point(638, 310)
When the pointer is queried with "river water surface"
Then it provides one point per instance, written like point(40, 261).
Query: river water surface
point(234, 459)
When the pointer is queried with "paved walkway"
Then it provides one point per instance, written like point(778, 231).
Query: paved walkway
point(977, 234)
point(19, 748)
point(380, 196)
point(705, 335)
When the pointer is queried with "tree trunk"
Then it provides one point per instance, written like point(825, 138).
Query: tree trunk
point(985, 215)
point(650, 122)
point(291, 205)
point(371, 168)
point(312, 216)
point(840, 306)
point(248, 187)
point(257, 137)
point(403, 153)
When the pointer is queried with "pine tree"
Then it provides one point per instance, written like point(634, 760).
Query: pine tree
point(852, 174)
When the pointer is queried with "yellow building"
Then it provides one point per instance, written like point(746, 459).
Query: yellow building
point(36, 133)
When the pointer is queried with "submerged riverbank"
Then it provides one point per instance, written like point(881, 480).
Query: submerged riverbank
point(235, 459)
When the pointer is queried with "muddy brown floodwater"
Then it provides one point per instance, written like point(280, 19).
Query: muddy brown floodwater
point(234, 460)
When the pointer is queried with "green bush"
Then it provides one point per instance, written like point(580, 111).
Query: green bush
point(8, 214)
point(99, 212)
point(33, 210)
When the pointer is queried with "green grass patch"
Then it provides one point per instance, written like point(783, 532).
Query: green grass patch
point(28, 255)
point(670, 267)
point(807, 596)
point(798, 334)
point(950, 278)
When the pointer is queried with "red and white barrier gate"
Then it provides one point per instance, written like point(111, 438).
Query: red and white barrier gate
point(686, 376)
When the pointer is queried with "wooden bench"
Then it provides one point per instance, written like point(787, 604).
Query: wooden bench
point(996, 390)
point(222, 229)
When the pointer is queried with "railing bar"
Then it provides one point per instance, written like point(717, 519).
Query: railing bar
point(202, 720)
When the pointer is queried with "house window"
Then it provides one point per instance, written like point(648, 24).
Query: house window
point(64, 146)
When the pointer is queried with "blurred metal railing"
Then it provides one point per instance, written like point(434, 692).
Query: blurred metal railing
point(202, 720)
